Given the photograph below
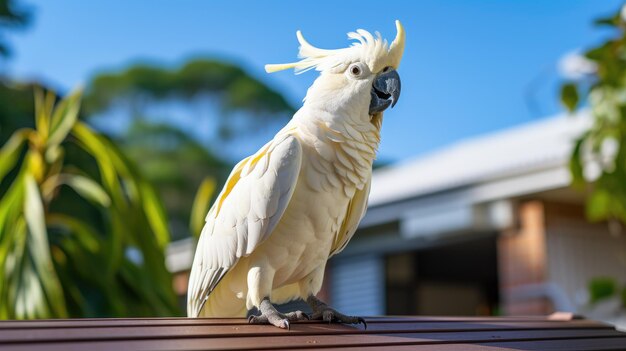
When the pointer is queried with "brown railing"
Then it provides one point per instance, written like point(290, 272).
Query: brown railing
point(383, 333)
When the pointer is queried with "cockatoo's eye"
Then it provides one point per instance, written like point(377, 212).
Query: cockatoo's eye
point(356, 70)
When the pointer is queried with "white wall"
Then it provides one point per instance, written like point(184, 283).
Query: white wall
point(579, 251)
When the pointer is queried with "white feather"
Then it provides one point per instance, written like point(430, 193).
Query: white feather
point(250, 206)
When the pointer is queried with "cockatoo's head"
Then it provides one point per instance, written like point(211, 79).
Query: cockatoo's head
point(359, 79)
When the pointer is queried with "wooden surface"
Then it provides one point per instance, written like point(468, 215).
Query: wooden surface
point(383, 333)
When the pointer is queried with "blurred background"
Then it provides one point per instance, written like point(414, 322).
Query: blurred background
point(500, 186)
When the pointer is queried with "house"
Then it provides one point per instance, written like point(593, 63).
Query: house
point(485, 226)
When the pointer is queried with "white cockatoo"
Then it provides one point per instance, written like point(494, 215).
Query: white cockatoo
point(287, 209)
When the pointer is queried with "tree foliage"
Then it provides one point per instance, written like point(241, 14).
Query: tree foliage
point(603, 147)
point(82, 229)
point(598, 161)
point(81, 232)
point(177, 158)
point(11, 17)
point(16, 107)
point(226, 85)
point(176, 165)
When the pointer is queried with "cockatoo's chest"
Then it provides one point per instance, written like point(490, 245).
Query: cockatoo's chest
point(330, 174)
point(307, 231)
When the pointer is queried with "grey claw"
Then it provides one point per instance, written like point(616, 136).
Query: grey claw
point(361, 320)
point(287, 324)
point(297, 316)
point(328, 316)
point(250, 319)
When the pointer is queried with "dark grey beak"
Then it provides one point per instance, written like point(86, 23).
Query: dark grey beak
point(385, 90)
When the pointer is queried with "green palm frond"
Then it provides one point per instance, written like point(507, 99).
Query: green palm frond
point(82, 237)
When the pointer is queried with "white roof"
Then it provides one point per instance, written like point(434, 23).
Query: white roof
point(533, 146)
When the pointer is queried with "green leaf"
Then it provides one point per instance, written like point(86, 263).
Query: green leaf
point(15, 266)
point(601, 288)
point(12, 150)
point(64, 117)
point(44, 103)
point(39, 251)
point(612, 21)
point(12, 238)
point(92, 143)
point(201, 204)
point(86, 235)
point(576, 166)
point(155, 215)
point(10, 205)
point(569, 96)
point(53, 153)
point(598, 205)
point(87, 188)
point(74, 263)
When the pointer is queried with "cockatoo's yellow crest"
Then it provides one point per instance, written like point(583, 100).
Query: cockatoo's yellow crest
point(371, 50)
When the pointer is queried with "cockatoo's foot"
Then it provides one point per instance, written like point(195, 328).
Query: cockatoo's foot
point(321, 311)
point(269, 315)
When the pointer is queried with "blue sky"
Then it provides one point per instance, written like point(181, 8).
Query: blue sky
point(470, 67)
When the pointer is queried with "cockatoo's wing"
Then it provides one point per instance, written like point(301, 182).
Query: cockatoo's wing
point(356, 211)
point(244, 214)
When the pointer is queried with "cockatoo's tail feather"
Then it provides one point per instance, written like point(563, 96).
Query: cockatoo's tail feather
point(377, 53)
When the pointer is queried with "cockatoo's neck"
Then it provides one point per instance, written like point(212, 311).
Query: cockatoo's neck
point(344, 142)
point(335, 122)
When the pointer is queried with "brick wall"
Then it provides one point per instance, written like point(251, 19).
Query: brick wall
point(522, 259)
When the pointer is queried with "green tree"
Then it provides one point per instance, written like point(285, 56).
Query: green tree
point(12, 16)
point(139, 88)
point(16, 108)
point(603, 146)
point(81, 232)
point(176, 165)
point(173, 157)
